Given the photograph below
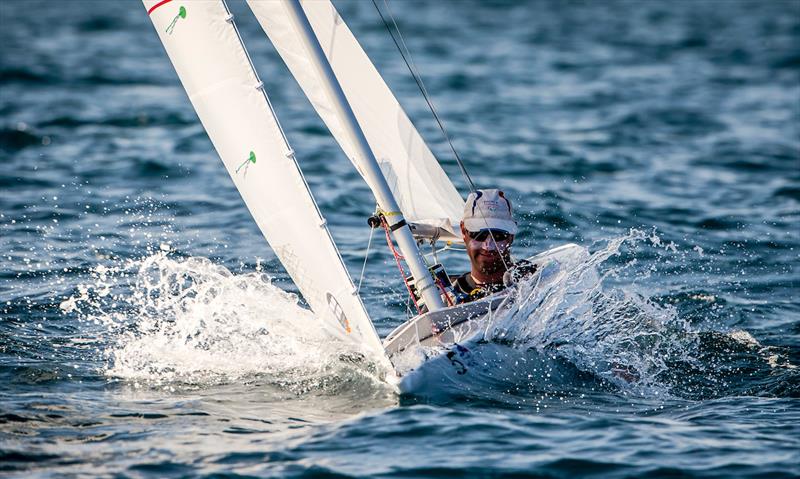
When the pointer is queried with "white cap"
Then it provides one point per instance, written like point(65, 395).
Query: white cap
point(488, 209)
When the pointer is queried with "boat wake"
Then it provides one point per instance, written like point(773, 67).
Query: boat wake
point(178, 322)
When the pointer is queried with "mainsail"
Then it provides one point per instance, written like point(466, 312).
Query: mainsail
point(422, 189)
point(204, 46)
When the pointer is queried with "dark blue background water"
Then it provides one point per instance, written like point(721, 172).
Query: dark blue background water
point(680, 120)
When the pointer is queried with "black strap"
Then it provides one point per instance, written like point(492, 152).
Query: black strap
point(398, 225)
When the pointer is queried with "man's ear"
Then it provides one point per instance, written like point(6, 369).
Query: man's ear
point(464, 234)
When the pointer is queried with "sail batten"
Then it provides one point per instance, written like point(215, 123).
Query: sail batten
point(424, 192)
point(205, 48)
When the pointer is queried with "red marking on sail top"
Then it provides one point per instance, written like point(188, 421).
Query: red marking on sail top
point(162, 2)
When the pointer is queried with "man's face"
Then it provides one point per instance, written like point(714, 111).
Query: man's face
point(487, 255)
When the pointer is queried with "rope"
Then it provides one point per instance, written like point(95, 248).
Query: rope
point(412, 67)
point(446, 296)
point(397, 258)
point(366, 256)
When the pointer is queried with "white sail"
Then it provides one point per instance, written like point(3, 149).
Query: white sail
point(205, 48)
point(422, 189)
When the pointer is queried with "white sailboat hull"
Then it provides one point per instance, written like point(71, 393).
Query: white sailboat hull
point(438, 349)
point(230, 101)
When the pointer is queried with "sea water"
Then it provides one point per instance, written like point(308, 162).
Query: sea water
point(146, 329)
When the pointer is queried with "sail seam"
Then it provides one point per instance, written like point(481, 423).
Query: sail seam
point(291, 155)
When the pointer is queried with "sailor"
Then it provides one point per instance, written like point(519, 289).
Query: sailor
point(488, 228)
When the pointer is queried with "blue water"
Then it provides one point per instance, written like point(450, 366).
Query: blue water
point(146, 329)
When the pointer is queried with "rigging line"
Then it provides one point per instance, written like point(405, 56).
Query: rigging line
point(366, 256)
point(412, 67)
point(418, 79)
point(397, 258)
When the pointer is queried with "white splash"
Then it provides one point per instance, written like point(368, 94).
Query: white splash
point(194, 322)
point(611, 333)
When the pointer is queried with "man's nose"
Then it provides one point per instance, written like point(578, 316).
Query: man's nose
point(489, 245)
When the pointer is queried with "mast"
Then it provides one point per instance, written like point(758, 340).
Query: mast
point(380, 188)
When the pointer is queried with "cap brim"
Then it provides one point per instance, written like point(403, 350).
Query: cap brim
point(477, 224)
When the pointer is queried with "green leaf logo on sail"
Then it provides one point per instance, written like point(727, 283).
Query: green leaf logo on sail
point(246, 163)
point(181, 14)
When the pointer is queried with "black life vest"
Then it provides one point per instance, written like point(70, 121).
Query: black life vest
point(467, 290)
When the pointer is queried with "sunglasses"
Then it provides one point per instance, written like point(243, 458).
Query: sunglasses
point(486, 233)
